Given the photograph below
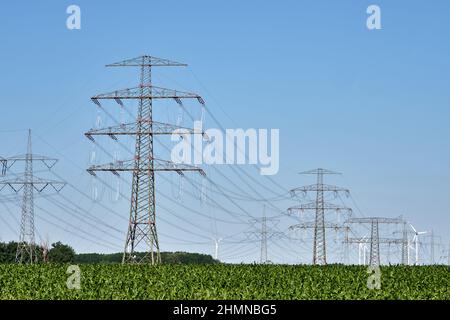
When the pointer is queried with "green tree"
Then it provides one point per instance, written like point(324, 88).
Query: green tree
point(61, 253)
point(8, 252)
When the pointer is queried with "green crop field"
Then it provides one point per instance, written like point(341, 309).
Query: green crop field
point(223, 282)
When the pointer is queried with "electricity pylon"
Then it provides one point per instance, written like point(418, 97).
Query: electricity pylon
point(142, 224)
point(375, 236)
point(319, 206)
point(264, 234)
point(27, 249)
point(435, 241)
point(407, 241)
point(405, 245)
point(365, 240)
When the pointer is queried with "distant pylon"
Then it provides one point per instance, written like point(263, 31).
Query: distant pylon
point(405, 245)
point(375, 240)
point(263, 258)
point(264, 234)
point(27, 248)
point(435, 241)
point(319, 206)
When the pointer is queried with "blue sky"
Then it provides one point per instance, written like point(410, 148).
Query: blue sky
point(373, 105)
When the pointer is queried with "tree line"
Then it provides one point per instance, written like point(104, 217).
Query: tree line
point(63, 253)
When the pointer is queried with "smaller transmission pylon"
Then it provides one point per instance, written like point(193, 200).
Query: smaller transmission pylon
point(375, 236)
point(27, 248)
point(264, 234)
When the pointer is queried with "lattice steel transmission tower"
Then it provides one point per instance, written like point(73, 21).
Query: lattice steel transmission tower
point(319, 206)
point(375, 235)
point(264, 234)
point(27, 249)
point(434, 241)
point(405, 233)
point(142, 224)
point(365, 240)
point(405, 244)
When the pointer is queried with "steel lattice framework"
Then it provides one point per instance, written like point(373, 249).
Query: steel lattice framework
point(434, 241)
point(405, 233)
point(264, 234)
point(27, 249)
point(142, 223)
point(319, 206)
point(375, 235)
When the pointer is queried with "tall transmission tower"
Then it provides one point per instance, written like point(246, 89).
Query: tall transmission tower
point(264, 237)
point(319, 206)
point(364, 241)
point(407, 241)
point(375, 236)
point(264, 234)
point(142, 223)
point(27, 249)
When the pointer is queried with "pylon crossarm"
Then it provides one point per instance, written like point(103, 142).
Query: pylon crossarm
point(313, 206)
point(147, 61)
point(48, 162)
point(158, 165)
point(151, 92)
point(319, 171)
point(381, 240)
point(323, 187)
point(311, 225)
point(157, 128)
point(164, 165)
point(375, 219)
point(38, 184)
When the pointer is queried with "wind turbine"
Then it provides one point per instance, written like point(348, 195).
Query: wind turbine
point(362, 248)
point(416, 241)
point(216, 247)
